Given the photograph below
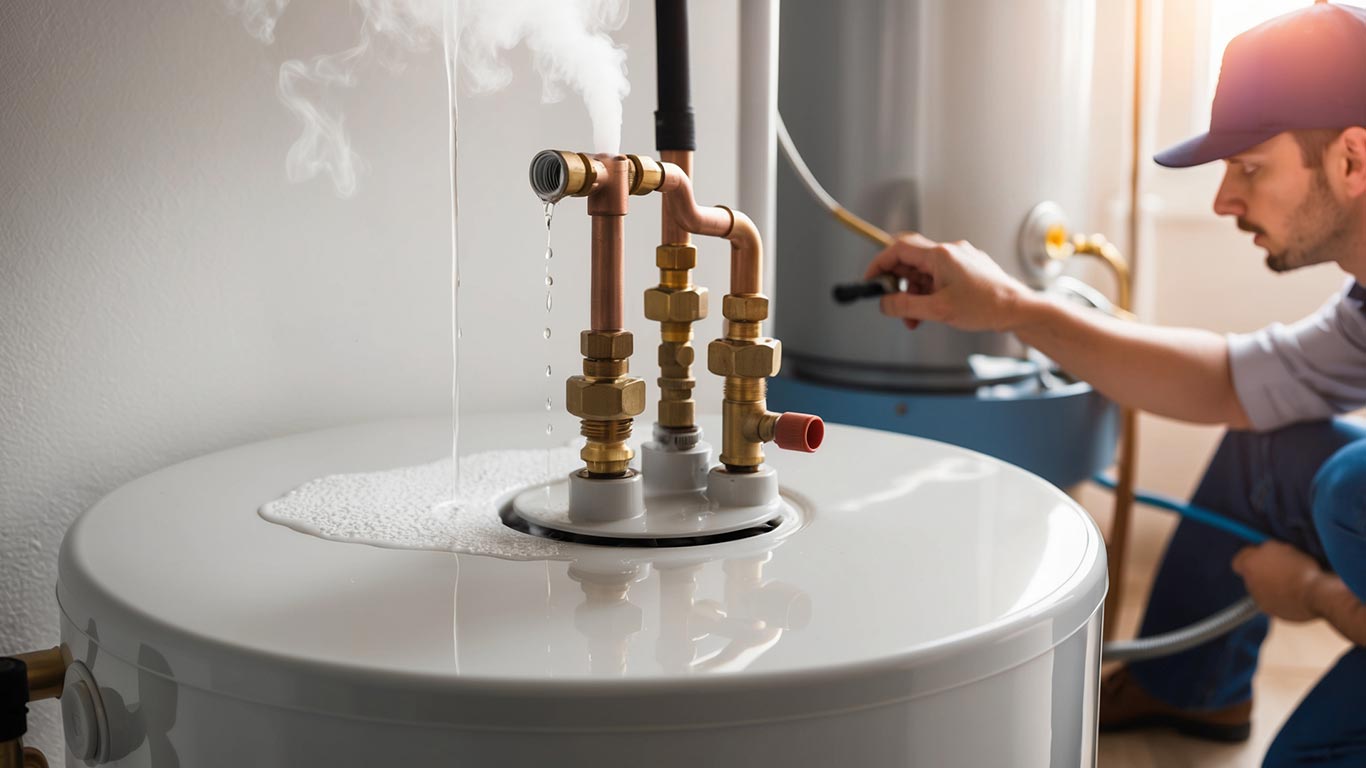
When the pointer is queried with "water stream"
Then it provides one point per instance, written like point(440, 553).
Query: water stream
point(549, 304)
point(451, 48)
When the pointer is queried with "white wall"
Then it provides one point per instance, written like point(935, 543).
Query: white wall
point(165, 292)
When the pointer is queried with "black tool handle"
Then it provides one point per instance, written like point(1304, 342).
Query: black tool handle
point(848, 293)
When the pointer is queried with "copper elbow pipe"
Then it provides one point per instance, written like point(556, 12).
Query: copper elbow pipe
point(670, 231)
point(746, 254)
point(607, 206)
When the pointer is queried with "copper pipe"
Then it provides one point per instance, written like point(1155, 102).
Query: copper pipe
point(1124, 488)
point(746, 256)
point(670, 232)
point(746, 253)
point(607, 205)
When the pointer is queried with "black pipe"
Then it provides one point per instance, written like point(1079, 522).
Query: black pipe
point(13, 699)
point(674, 127)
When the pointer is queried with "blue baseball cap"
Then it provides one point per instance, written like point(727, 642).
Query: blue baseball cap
point(1303, 70)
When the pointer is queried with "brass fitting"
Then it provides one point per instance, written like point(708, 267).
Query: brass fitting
point(556, 174)
point(46, 673)
point(676, 303)
point(747, 361)
point(605, 399)
point(751, 308)
point(606, 345)
point(13, 754)
point(752, 359)
point(590, 397)
point(646, 175)
point(44, 677)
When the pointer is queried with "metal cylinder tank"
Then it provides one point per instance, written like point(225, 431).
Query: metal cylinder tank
point(952, 118)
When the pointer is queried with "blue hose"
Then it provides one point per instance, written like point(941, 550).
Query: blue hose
point(1202, 631)
point(1198, 514)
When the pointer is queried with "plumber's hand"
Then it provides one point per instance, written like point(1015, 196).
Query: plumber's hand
point(1279, 578)
point(952, 283)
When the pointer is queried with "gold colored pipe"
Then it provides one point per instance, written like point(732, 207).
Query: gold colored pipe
point(861, 226)
point(46, 673)
point(1097, 247)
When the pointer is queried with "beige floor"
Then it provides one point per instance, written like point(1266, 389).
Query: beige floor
point(1292, 660)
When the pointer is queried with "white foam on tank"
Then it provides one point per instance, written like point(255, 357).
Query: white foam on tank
point(414, 507)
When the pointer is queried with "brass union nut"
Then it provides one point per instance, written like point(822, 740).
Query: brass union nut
point(606, 345)
point(749, 308)
point(756, 360)
point(676, 306)
point(613, 400)
point(676, 256)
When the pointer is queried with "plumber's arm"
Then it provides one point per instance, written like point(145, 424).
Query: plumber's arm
point(1174, 372)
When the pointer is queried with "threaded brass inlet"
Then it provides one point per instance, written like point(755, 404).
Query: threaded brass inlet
point(605, 369)
point(745, 331)
point(606, 453)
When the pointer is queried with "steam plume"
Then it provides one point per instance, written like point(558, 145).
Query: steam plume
point(569, 41)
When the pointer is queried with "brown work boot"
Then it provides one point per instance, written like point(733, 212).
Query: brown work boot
point(1126, 707)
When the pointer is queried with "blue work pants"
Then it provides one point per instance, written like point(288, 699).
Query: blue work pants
point(1305, 485)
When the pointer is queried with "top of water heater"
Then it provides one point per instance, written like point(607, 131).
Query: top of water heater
point(912, 566)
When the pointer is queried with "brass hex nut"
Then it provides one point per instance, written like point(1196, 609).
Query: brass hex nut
point(676, 306)
point(749, 308)
point(606, 345)
point(756, 360)
point(611, 400)
point(676, 256)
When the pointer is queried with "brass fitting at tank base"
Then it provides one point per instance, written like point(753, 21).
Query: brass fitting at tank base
point(746, 361)
point(44, 676)
point(13, 754)
point(606, 400)
point(676, 303)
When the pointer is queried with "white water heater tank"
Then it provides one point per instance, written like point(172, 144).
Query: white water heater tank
point(922, 605)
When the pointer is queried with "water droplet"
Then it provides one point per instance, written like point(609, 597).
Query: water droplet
point(549, 214)
point(549, 253)
point(548, 301)
point(548, 279)
point(546, 332)
point(459, 333)
point(548, 405)
point(549, 428)
point(547, 371)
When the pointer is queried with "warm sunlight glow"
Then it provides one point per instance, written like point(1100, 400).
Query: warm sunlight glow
point(1229, 18)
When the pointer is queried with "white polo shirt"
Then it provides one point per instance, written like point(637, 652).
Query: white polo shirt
point(1312, 369)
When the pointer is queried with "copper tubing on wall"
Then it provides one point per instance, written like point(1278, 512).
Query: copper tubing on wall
point(1118, 543)
point(746, 256)
point(607, 206)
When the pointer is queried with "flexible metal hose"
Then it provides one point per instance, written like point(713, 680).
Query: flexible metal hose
point(1176, 641)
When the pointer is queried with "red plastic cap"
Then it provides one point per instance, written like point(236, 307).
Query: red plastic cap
point(799, 432)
